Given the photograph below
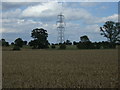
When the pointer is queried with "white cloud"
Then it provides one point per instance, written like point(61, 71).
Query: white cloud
point(73, 28)
point(8, 30)
point(52, 9)
point(97, 20)
point(76, 14)
point(19, 25)
point(113, 17)
point(12, 14)
point(49, 11)
point(42, 10)
point(92, 28)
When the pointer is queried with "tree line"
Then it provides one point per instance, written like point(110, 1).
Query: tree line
point(110, 30)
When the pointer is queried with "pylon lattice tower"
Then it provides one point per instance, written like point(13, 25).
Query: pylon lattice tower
point(60, 27)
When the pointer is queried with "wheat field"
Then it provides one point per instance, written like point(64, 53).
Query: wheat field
point(60, 69)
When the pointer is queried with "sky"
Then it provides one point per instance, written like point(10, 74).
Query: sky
point(81, 18)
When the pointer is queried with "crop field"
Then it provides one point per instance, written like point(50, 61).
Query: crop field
point(60, 69)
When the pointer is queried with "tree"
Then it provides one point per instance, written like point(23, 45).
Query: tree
point(68, 42)
point(19, 42)
point(111, 31)
point(84, 39)
point(24, 42)
point(12, 43)
point(75, 43)
point(0, 43)
point(53, 46)
point(7, 44)
point(4, 43)
point(40, 38)
point(33, 43)
point(62, 46)
point(85, 45)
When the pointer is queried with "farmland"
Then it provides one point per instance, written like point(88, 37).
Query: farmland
point(60, 69)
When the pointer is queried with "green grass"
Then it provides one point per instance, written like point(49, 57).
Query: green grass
point(68, 47)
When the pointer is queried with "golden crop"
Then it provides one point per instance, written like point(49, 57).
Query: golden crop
point(60, 69)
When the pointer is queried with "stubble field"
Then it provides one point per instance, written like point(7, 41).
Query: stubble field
point(60, 69)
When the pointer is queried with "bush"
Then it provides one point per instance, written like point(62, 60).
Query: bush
point(53, 46)
point(85, 45)
point(36, 44)
point(16, 48)
point(62, 46)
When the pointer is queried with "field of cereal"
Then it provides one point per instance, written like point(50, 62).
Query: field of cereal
point(60, 69)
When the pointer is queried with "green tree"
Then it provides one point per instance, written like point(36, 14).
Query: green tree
point(53, 46)
point(111, 31)
point(62, 46)
point(12, 43)
point(24, 42)
point(68, 42)
point(85, 45)
point(19, 42)
point(84, 39)
point(33, 43)
point(4, 43)
point(40, 38)
point(75, 43)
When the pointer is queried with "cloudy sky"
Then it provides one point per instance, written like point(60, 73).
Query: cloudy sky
point(81, 18)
